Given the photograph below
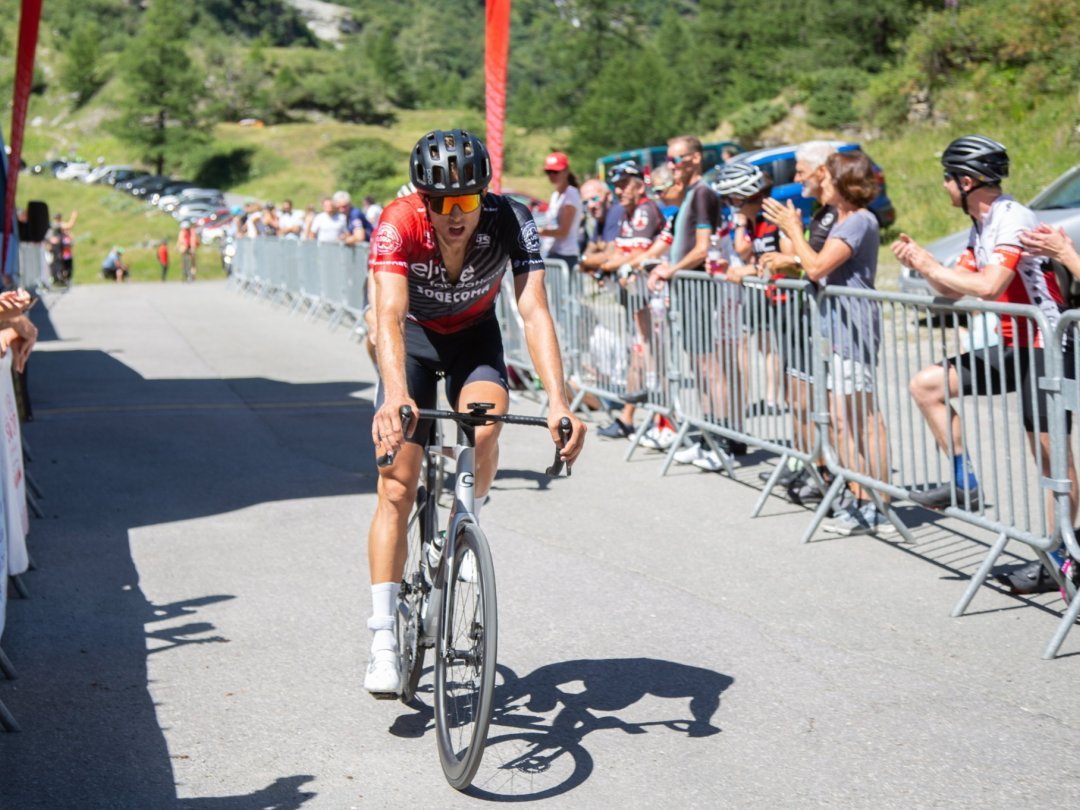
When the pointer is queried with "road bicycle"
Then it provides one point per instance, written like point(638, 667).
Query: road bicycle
point(447, 598)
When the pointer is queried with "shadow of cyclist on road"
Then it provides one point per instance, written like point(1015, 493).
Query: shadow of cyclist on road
point(543, 755)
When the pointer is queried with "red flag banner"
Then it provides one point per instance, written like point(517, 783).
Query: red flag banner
point(24, 75)
point(495, 61)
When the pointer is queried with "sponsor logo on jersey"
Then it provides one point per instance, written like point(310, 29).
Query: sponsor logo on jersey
point(483, 240)
point(641, 218)
point(529, 238)
point(828, 219)
point(387, 239)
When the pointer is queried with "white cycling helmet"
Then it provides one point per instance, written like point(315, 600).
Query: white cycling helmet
point(739, 179)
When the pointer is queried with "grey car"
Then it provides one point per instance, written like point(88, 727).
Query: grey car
point(1058, 204)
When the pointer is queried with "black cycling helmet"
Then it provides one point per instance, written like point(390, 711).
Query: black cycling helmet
point(978, 157)
point(450, 162)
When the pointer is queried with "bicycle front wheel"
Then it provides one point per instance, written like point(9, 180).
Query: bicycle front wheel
point(465, 658)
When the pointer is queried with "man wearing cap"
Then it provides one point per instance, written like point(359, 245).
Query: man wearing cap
point(564, 211)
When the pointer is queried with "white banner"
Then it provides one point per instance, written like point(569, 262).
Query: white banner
point(12, 475)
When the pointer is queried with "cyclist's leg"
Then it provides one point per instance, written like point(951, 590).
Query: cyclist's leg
point(387, 537)
point(478, 374)
point(487, 437)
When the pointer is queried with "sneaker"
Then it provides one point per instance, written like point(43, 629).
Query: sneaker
point(850, 522)
point(942, 497)
point(658, 438)
point(844, 500)
point(1027, 579)
point(879, 523)
point(689, 455)
point(383, 677)
point(805, 490)
point(616, 430)
point(709, 461)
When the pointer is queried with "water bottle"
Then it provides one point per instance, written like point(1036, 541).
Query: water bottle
point(714, 258)
point(434, 551)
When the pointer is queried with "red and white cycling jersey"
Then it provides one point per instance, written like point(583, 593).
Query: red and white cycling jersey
point(637, 231)
point(996, 240)
point(404, 243)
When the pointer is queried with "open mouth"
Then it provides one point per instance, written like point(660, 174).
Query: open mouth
point(457, 230)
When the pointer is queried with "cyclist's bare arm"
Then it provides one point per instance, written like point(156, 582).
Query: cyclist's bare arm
point(544, 351)
point(391, 302)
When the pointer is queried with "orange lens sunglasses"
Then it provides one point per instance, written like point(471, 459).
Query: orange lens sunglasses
point(444, 205)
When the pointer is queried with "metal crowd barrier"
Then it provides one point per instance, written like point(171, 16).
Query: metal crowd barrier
point(318, 279)
point(709, 355)
point(33, 269)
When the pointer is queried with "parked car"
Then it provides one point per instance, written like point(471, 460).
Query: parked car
point(98, 175)
point(195, 210)
point(147, 187)
point(169, 190)
point(76, 170)
point(779, 163)
point(1058, 204)
point(119, 176)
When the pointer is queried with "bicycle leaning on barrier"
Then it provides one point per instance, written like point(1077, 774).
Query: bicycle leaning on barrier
point(447, 598)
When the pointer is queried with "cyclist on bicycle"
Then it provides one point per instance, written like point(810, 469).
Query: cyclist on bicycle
point(438, 258)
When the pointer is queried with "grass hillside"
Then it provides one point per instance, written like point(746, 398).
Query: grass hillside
point(107, 217)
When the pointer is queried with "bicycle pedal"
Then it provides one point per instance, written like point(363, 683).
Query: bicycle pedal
point(385, 695)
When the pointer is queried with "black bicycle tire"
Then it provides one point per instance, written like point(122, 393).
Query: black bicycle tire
point(460, 768)
point(581, 770)
point(412, 654)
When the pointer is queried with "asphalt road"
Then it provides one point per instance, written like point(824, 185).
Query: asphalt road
point(195, 633)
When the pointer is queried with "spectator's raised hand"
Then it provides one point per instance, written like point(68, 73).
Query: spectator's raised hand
point(912, 254)
point(1046, 240)
point(786, 217)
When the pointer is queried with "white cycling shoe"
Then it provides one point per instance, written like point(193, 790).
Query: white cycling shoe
point(383, 678)
point(467, 569)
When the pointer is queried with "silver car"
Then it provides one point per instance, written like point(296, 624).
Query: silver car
point(1058, 204)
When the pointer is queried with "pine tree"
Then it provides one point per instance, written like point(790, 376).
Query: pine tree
point(159, 115)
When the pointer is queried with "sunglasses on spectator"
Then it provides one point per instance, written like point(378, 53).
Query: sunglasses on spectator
point(677, 160)
point(595, 198)
point(444, 205)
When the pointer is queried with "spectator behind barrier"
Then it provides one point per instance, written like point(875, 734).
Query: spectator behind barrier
point(639, 226)
point(849, 259)
point(564, 211)
point(689, 235)
point(994, 268)
point(810, 160)
point(605, 215)
point(744, 187)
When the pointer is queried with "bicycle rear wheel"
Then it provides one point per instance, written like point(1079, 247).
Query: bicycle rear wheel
point(465, 656)
point(414, 588)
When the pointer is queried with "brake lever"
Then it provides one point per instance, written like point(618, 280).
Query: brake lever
point(556, 467)
point(386, 459)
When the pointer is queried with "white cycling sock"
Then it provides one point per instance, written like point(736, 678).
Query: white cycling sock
point(384, 597)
